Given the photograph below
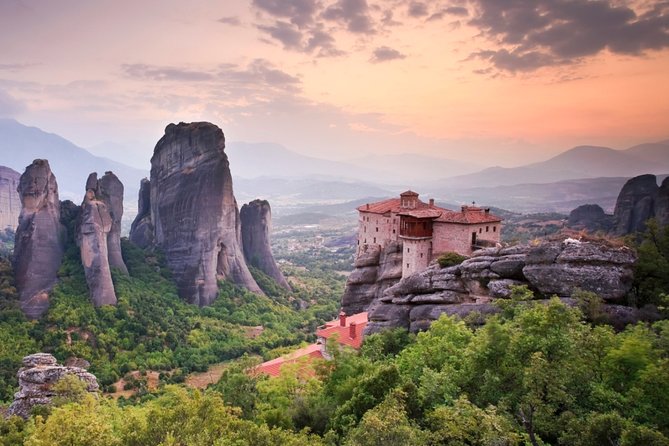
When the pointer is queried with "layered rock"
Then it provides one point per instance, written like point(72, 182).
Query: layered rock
point(141, 231)
point(37, 377)
point(590, 217)
point(194, 213)
point(94, 227)
point(376, 270)
point(635, 205)
point(256, 223)
point(10, 203)
point(552, 268)
point(39, 244)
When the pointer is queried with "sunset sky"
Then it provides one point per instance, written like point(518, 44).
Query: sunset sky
point(498, 82)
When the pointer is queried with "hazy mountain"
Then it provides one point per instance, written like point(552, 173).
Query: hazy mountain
point(654, 152)
point(409, 168)
point(20, 145)
point(579, 162)
point(134, 154)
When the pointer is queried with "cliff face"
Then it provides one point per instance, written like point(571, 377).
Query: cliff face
point(40, 236)
point(256, 219)
point(635, 205)
point(110, 191)
point(141, 231)
point(39, 373)
point(375, 271)
point(552, 268)
point(95, 234)
point(10, 203)
point(194, 212)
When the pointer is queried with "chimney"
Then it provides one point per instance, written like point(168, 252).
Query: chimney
point(342, 319)
point(464, 208)
point(351, 330)
point(487, 210)
point(431, 202)
point(367, 206)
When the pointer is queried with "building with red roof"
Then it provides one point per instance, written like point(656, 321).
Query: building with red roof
point(425, 230)
point(347, 331)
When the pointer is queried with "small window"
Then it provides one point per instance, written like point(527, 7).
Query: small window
point(377, 229)
point(494, 229)
point(407, 265)
point(393, 231)
point(487, 229)
point(480, 230)
point(374, 239)
point(408, 250)
point(365, 241)
point(421, 255)
point(358, 242)
point(365, 229)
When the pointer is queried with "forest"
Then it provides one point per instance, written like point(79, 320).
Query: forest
point(537, 373)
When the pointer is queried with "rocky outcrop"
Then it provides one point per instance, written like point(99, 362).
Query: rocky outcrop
point(39, 244)
point(662, 203)
point(95, 225)
point(110, 191)
point(10, 203)
point(552, 268)
point(194, 212)
point(376, 270)
point(256, 219)
point(37, 377)
point(590, 217)
point(635, 205)
point(141, 231)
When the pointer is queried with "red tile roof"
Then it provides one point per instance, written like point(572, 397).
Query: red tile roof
point(390, 205)
point(273, 367)
point(344, 333)
point(469, 215)
point(432, 212)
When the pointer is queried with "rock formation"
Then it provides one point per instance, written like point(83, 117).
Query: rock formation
point(552, 268)
point(635, 205)
point(39, 373)
point(141, 231)
point(95, 226)
point(256, 219)
point(110, 190)
point(590, 217)
point(10, 203)
point(40, 236)
point(194, 213)
point(375, 270)
point(662, 203)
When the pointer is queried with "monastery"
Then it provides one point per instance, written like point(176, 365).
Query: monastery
point(425, 230)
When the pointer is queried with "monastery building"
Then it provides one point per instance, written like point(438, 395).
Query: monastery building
point(425, 230)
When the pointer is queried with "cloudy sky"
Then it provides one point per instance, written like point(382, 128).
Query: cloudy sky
point(498, 82)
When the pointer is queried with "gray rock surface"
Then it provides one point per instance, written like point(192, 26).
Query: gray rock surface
point(590, 217)
point(635, 205)
point(552, 268)
point(375, 270)
point(40, 236)
point(662, 203)
point(39, 373)
point(94, 227)
point(10, 203)
point(141, 231)
point(110, 190)
point(256, 218)
point(194, 212)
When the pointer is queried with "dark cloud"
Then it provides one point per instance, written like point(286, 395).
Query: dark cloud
point(459, 11)
point(165, 73)
point(385, 54)
point(539, 33)
point(418, 9)
point(9, 107)
point(388, 20)
point(315, 40)
point(354, 14)
point(232, 21)
point(298, 12)
point(284, 32)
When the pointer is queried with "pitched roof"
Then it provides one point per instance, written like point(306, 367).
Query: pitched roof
point(390, 205)
point(344, 333)
point(469, 215)
point(273, 367)
point(432, 212)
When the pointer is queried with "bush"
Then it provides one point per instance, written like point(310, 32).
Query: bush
point(450, 259)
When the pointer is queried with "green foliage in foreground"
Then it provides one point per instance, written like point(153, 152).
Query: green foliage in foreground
point(151, 328)
point(535, 375)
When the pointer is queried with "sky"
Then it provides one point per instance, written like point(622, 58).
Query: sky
point(489, 81)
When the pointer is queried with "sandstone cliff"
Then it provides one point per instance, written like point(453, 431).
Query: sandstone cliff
point(375, 270)
point(552, 268)
point(256, 219)
point(10, 203)
point(93, 235)
point(194, 213)
point(40, 236)
point(39, 373)
point(141, 231)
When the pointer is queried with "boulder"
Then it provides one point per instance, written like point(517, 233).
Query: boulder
point(37, 377)
point(10, 202)
point(40, 237)
point(256, 218)
point(590, 217)
point(194, 213)
point(635, 205)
